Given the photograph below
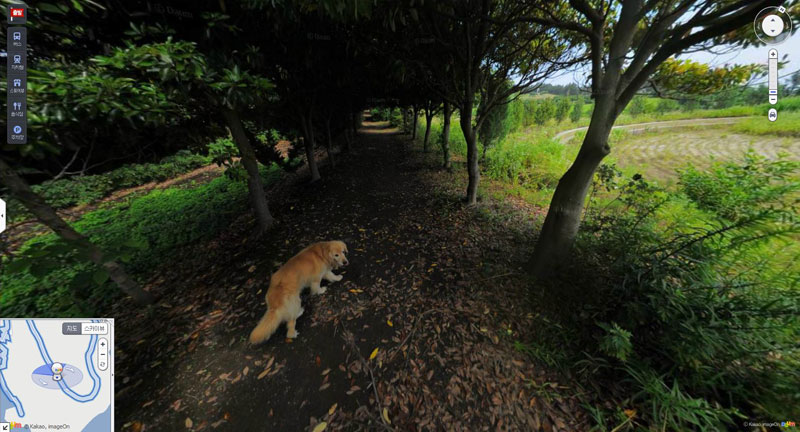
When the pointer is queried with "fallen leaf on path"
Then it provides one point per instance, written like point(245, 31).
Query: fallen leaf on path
point(389, 323)
point(320, 427)
point(246, 370)
point(332, 409)
point(251, 269)
point(374, 353)
point(189, 423)
point(326, 371)
point(263, 374)
point(386, 415)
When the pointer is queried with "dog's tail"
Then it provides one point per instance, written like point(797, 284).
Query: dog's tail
point(268, 324)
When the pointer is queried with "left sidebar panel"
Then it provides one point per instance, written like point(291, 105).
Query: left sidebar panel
point(17, 75)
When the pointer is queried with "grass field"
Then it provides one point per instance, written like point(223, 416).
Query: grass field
point(657, 155)
point(532, 161)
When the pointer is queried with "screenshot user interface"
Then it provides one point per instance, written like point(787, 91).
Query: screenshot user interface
point(58, 373)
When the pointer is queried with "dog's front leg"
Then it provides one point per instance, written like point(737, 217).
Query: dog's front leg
point(330, 277)
point(316, 289)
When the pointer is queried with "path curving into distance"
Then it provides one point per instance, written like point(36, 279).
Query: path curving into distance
point(567, 135)
point(677, 143)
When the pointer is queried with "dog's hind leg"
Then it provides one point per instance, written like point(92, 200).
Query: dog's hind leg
point(291, 333)
point(330, 277)
point(293, 311)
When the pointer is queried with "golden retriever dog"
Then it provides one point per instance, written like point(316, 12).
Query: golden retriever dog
point(306, 269)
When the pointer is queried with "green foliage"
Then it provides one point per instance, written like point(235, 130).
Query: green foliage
point(143, 233)
point(666, 105)
point(637, 106)
point(72, 191)
point(380, 114)
point(616, 342)
point(563, 106)
point(543, 110)
point(537, 164)
point(688, 310)
point(577, 110)
point(740, 191)
point(688, 77)
point(495, 125)
point(787, 125)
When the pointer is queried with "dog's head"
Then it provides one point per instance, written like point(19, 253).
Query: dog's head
point(337, 251)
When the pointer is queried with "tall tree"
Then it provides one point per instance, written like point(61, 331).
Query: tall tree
point(625, 43)
point(447, 112)
point(491, 44)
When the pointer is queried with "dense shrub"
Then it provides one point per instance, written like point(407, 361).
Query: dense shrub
point(563, 106)
point(71, 191)
point(688, 319)
point(543, 110)
point(577, 110)
point(143, 233)
point(537, 166)
point(736, 191)
point(380, 114)
point(496, 124)
point(638, 106)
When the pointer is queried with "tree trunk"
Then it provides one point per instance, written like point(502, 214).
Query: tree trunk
point(564, 215)
point(472, 154)
point(446, 136)
point(347, 139)
point(329, 141)
point(48, 216)
point(428, 118)
point(256, 188)
point(308, 141)
point(356, 124)
point(414, 124)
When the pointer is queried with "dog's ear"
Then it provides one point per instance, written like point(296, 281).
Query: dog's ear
point(346, 241)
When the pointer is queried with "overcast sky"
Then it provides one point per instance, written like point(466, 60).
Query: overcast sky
point(789, 48)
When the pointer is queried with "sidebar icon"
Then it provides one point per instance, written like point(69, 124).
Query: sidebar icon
point(17, 76)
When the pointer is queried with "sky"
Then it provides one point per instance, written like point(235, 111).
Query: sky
point(789, 48)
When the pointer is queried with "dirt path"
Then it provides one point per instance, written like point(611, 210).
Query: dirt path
point(418, 336)
point(567, 135)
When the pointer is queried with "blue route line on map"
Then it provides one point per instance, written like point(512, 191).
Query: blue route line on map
point(5, 328)
point(87, 357)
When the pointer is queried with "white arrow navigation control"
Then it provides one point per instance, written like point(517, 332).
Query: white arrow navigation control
point(772, 25)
